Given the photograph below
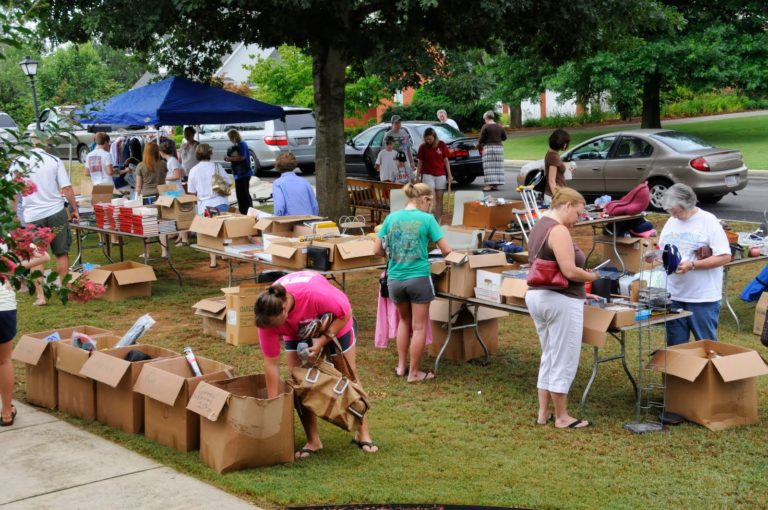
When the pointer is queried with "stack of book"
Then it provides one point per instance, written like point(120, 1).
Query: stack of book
point(144, 221)
point(102, 212)
point(167, 226)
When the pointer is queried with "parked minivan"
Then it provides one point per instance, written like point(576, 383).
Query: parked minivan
point(78, 145)
point(266, 140)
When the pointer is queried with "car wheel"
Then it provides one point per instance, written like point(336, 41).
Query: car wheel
point(255, 165)
point(712, 199)
point(658, 187)
point(369, 166)
point(82, 153)
point(308, 169)
point(464, 179)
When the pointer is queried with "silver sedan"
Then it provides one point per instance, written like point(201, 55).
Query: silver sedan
point(615, 163)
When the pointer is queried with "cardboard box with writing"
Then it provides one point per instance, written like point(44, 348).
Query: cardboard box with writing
point(513, 291)
point(711, 383)
point(464, 265)
point(288, 253)
point(488, 283)
point(760, 311)
point(223, 230)
point(167, 386)
point(241, 320)
point(39, 357)
point(631, 250)
point(463, 345)
point(476, 214)
point(77, 394)
point(214, 314)
point(240, 427)
point(102, 193)
point(124, 280)
point(183, 209)
point(284, 225)
point(350, 252)
point(117, 405)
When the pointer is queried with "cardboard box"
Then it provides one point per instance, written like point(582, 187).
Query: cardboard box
point(124, 280)
point(760, 310)
point(102, 193)
point(464, 265)
point(284, 225)
point(240, 427)
point(351, 252)
point(223, 230)
point(440, 276)
point(288, 253)
point(214, 314)
point(597, 322)
point(117, 405)
point(488, 283)
point(711, 383)
point(463, 345)
point(241, 320)
point(39, 356)
point(513, 291)
point(631, 250)
point(77, 394)
point(183, 209)
point(167, 386)
point(478, 215)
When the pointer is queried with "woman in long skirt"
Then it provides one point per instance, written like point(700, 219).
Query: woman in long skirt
point(491, 137)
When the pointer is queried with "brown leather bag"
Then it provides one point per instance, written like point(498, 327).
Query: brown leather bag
point(329, 394)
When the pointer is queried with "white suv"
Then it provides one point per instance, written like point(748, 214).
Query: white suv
point(266, 140)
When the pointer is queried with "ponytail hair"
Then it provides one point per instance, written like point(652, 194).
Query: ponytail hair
point(565, 196)
point(270, 304)
point(414, 191)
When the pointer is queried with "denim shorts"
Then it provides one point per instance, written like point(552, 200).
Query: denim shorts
point(7, 326)
point(413, 290)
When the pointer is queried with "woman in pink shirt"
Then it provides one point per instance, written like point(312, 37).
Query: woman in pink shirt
point(281, 311)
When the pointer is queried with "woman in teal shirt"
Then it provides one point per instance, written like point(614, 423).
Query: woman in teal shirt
point(404, 237)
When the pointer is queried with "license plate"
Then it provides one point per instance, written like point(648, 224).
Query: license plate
point(303, 141)
point(474, 154)
point(731, 181)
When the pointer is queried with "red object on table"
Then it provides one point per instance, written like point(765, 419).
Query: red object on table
point(588, 287)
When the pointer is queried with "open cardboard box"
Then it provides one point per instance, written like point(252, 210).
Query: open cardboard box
point(476, 214)
point(102, 193)
point(223, 230)
point(463, 345)
point(182, 209)
point(39, 357)
point(167, 386)
point(240, 427)
point(288, 253)
point(116, 403)
point(350, 252)
point(124, 280)
point(464, 265)
point(513, 291)
point(241, 318)
point(630, 249)
point(77, 394)
point(711, 383)
point(284, 225)
point(488, 283)
point(214, 314)
point(440, 275)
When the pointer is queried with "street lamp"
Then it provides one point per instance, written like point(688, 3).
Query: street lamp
point(29, 68)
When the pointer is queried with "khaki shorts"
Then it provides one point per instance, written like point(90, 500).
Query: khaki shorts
point(436, 182)
point(59, 223)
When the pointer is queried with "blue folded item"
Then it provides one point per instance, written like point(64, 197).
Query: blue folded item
point(670, 258)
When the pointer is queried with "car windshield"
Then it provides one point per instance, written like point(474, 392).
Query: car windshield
point(681, 142)
point(296, 121)
point(6, 121)
point(444, 132)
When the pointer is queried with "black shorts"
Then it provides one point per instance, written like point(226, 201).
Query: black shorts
point(347, 341)
point(59, 223)
point(7, 326)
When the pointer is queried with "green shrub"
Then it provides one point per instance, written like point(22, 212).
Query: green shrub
point(566, 121)
point(710, 103)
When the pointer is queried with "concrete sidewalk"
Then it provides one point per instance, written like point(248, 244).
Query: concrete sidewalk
point(47, 463)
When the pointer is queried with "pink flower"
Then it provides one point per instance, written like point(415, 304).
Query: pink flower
point(29, 187)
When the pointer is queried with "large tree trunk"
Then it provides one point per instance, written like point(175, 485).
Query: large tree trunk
point(328, 67)
point(651, 101)
point(515, 115)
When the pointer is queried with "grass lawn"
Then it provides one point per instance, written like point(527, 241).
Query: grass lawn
point(468, 437)
point(745, 134)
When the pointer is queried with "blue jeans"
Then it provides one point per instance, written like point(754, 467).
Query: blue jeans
point(703, 322)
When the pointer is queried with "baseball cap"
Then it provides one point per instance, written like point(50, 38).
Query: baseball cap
point(395, 118)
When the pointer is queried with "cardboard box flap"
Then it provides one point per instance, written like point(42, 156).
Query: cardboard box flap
point(102, 189)
point(354, 249)
point(678, 363)
point(239, 226)
point(165, 200)
point(597, 319)
point(488, 260)
point(740, 366)
point(438, 311)
point(456, 257)
point(159, 384)
point(186, 199)
point(99, 276)
point(208, 401)
point(105, 368)
point(135, 275)
point(29, 350)
point(285, 251)
point(484, 313)
point(513, 287)
point(211, 307)
point(71, 361)
point(437, 268)
point(206, 226)
point(264, 223)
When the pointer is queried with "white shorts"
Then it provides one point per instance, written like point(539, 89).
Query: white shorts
point(436, 182)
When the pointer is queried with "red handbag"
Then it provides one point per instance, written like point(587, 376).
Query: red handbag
point(545, 274)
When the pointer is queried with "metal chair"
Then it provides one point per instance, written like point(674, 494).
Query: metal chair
point(352, 222)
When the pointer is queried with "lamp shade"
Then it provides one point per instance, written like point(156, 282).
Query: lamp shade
point(29, 66)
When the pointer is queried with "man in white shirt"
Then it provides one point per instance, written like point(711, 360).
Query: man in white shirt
point(45, 207)
point(98, 162)
point(442, 116)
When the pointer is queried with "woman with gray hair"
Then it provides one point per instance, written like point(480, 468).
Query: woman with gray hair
point(697, 283)
point(491, 136)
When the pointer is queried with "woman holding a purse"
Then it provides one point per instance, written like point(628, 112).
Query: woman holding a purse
point(558, 309)
point(281, 312)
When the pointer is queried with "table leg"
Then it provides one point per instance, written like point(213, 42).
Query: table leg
point(727, 299)
point(595, 365)
point(230, 271)
point(616, 250)
point(78, 260)
point(480, 338)
point(622, 341)
point(448, 325)
point(170, 260)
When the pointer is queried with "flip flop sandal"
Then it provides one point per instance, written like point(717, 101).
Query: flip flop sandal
point(428, 376)
point(309, 452)
point(4, 423)
point(575, 425)
point(363, 444)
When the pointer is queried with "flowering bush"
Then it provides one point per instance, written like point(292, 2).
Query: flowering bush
point(28, 187)
point(83, 290)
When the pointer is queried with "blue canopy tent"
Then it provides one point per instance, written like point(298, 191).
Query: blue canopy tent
point(176, 102)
